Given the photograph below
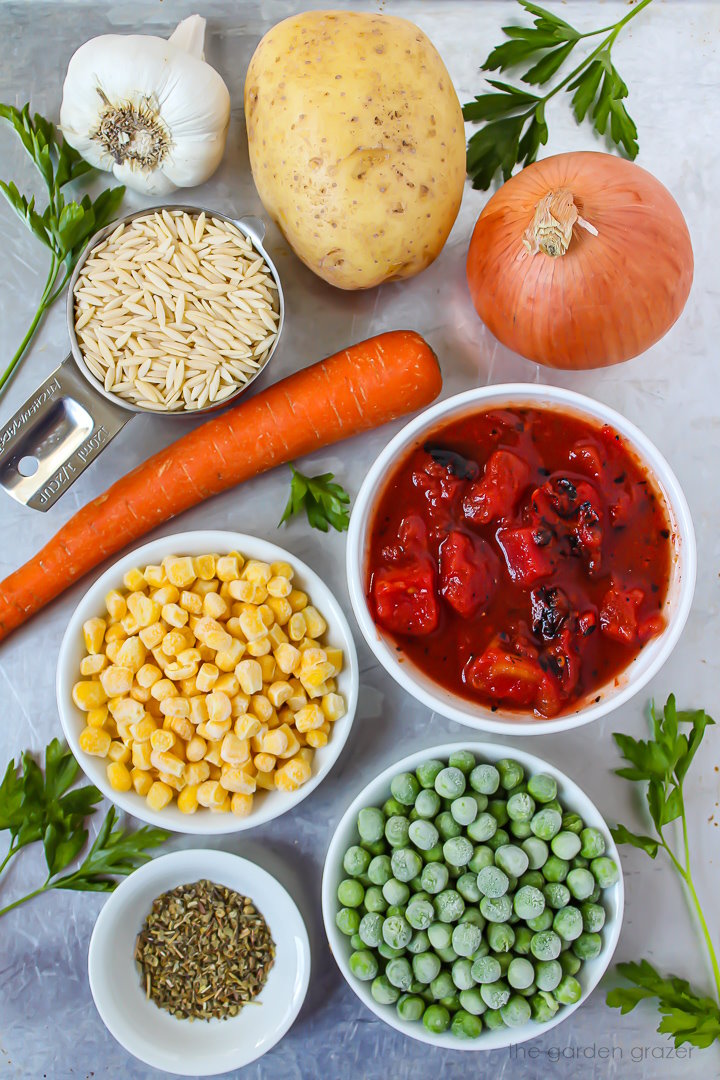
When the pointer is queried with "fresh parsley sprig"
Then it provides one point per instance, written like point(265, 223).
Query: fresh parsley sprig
point(39, 807)
point(325, 503)
point(662, 762)
point(62, 227)
point(514, 118)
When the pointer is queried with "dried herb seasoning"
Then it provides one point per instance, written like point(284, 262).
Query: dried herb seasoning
point(204, 951)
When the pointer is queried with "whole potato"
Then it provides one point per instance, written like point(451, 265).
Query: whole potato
point(357, 145)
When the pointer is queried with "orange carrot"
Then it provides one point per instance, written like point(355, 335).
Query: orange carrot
point(359, 388)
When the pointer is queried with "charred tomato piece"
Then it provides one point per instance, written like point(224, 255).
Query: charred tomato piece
point(526, 560)
point(510, 679)
point(619, 614)
point(585, 458)
point(496, 494)
point(405, 599)
point(442, 488)
point(412, 541)
point(550, 608)
point(468, 573)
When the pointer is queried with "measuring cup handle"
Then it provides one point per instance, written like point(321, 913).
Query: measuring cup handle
point(54, 436)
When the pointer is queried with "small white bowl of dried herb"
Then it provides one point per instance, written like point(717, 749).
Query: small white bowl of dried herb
point(199, 962)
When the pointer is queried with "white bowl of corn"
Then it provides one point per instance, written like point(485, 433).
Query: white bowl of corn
point(207, 682)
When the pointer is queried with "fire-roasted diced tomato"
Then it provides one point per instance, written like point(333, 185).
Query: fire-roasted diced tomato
point(526, 561)
point(585, 458)
point(468, 573)
point(549, 608)
point(442, 488)
point(571, 509)
point(562, 662)
point(619, 614)
point(495, 495)
point(405, 600)
point(412, 540)
point(505, 677)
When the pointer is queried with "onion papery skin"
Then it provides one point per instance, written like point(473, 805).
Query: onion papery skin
point(609, 297)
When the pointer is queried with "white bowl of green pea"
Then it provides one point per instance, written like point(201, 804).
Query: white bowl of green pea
point(472, 896)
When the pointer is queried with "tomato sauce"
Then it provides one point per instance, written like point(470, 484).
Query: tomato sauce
point(520, 557)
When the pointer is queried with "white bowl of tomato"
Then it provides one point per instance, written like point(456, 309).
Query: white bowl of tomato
point(521, 559)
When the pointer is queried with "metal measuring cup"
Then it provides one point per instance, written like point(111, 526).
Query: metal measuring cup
point(71, 417)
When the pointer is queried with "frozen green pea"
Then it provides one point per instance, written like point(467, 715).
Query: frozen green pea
point(542, 787)
point(533, 878)
point(572, 822)
point(498, 839)
point(580, 883)
point(426, 966)
point(371, 824)
point(396, 831)
point(528, 902)
point(579, 863)
point(536, 850)
point(593, 843)
point(399, 973)
point(442, 985)
point(548, 974)
point(472, 915)
point(396, 932)
point(521, 807)
point(595, 894)
point(492, 881)
point(485, 779)
point(464, 809)
point(520, 973)
point(395, 909)
point(495, 994)
point(436, 1019)
point(434, 877)
point(374, 899)
point(555, 868)
point(467, 886)
point(419, 942)
point(593, 917)
point(410, 1007)
point(466, 939)
point(376, 848)
point(371, 929)
point(545, 945)
point(511, 773)
point(496, 909)
point(440, 935)
point(546, 823)
point(433, 854)
point(405, 788)
point(570, 963)
point(486, 969)
point(449, 905)
point(492, 1019)
point(466, 1025)
point(500, 938)
point(383, 991)
point(380, 869)
point(482, 856)
point(418, 893)
point(356, 943)
point(458, 851)
point(481, 801)
point(511, 859)
point(498, 809)
point(587, 946)
point(504, 959)
point(364, 880)
point(450, 783)
point(541, 922)
point(427, 804)
point(516, 1011)
point(392, 808)
point(471, 1001)
point(463, 760)
point(347, 921)
point(528, 991)
point(482, 828)
point(447, 826)
point(406, 864)
point(605, 871)
point(565, 845)
point(350, 893)
point(523, 937)
point(568, 991)
point(448, 956)
point(556, 895)
point(543, 1006)
point(520, 829)
point(419, 913)
point(427, 772)
point(363, 965)
point(396, 892)
point(567, 923)
point(462, 973)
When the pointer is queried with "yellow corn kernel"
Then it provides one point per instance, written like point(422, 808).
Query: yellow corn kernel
point(226, 659)
point(257, 571)
point(308, 643)
point(264, 762)
point(292, 774)
point(177, 783)
point(211, 633)
point(267, 667)
point(129, 624)
point(115, 604)
point(214, 607)
point(224, 594)
point(261, 707)
point(95, 741)
point(234, 751)
point(148, 675)
point(180, 672)
point(142, 729)
point(162, 689)
point(93, 665)
point(167, 762)
point(210, 793)
point(247, 726)
point(242, 590)
point(274, 742)
point(116, 680)
point(309, 717)
point(187, 800)
point(115, 632)
point(168, 594)
point(298, 698)
point(214, 729)
point(238, 778)
point(282, 612)
point(293, 743)
point(265, 781)
point(179, 571)
point(141, 781)
point(202, 588)
point(228, 568)
point(282, 569)
point(287, 716)
point(279, 692)
point(93, 633)
point(240, 804)
point(195, 749)
point(288, 658)
point(112, 650)
point(223, 808)
point(227, 683)
point(318, 691)
point(240, 704)
point(259, 648)
point(89, 695)
point(119, 776)
point(159, 795)
point(298, 600)
point(319, 736)
point(154, 576)
point(119, 730)
point(206, 677)
point(204, 567)
point(180, 726)
point(153, 709)
point(191, 602)
point(277, 636)
point(173, 643)
point(316, 624)
point(311, 656)
point(174, 615)
point(132, 654)
point(313, 678)
point(218, 706)
point(331, 685)
point(279, 587)
point(175, 706)
point(234, 629)
point(256, 743)
point(162, 740)
point(196, 772)
point(118, 751)
point(141, 756)
point(296, 626)
point(134, 580)
point(249, 675)
point(334, 657)
point(198, 710)
point(152, 635)
point(333, 706)
point(97, 717)
point(160, 658)
point(143, 610)
point(251, 624)
point(140, 693)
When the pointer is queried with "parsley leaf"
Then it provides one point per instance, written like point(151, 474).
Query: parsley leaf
point(324, 502)
point(687, 1016)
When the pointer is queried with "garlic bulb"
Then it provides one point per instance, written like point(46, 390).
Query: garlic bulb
point(148, 110)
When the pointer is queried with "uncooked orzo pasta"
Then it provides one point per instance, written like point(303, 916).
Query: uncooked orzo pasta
point(175, 311)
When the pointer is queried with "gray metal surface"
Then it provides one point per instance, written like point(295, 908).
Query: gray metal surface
point(48, 1024)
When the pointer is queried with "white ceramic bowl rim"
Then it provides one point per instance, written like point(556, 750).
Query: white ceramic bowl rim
point(275, 803)
point(374, 794)
point(682, 580)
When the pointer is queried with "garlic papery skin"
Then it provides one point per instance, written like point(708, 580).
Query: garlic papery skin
point(150, 111)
